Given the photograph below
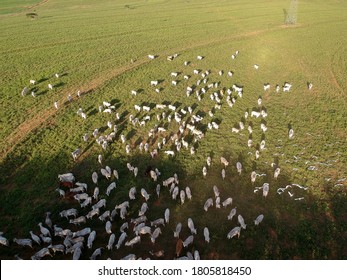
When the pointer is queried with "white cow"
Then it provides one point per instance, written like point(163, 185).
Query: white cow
point(208, 204)
point(259, 219)
point(265, 189)
point(235, 231)
point(241, 221)
point(287, 87)
point(224, 161)
point(239, 167)
point(207, 235)
point(227, 202)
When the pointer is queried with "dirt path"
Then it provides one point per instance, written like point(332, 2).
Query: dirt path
point(332, 74)
point(19, 134)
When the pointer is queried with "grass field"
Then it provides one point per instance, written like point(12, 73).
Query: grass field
point(101, 48)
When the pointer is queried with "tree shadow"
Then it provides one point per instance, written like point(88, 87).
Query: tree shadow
point(291, 229)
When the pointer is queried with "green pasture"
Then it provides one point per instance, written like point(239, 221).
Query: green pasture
point(101, 48)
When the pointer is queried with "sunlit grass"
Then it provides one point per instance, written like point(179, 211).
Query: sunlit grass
point(87, 43)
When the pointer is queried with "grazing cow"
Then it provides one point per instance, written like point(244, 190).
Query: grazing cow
point(167, 215)
point(208, 204)
point(241, 221)
point(137, 108)
point(263, 127)
point(204, 171)
point(224, 161)
point(177, 230)
point(188, 193)
point(191, 226)
point(154, 83)
point(40, 254)
point(160, 106)
point(216, 191)
point(217, 202)
point(262, 145)
point(111, 241)
point(158, 222)
point(67, 177)
point(265, 189)
point(259, 219)
point(277, 88)
point(207, 235)
point(179, 247)
point(76, 153)
point(234, 129)
point(78, 220)
point(110, 188)
point(121, 240)
point(277, 172)
point(253, 176)
point(145, 194)
point(239, 167)
point(257, 154)
point(22, 242)
point(235, 231)
point(172, 108)
point(146, 108)
point(24, 91)
point(227, 202)
point(259, 101)
point(232, 214)
point(266, 87)
point(256, 66)
point(286, 87)
point(170, 153)
point(144, 208)
point(188, 241)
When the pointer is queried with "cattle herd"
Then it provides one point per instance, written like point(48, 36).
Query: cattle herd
point(96, 227)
